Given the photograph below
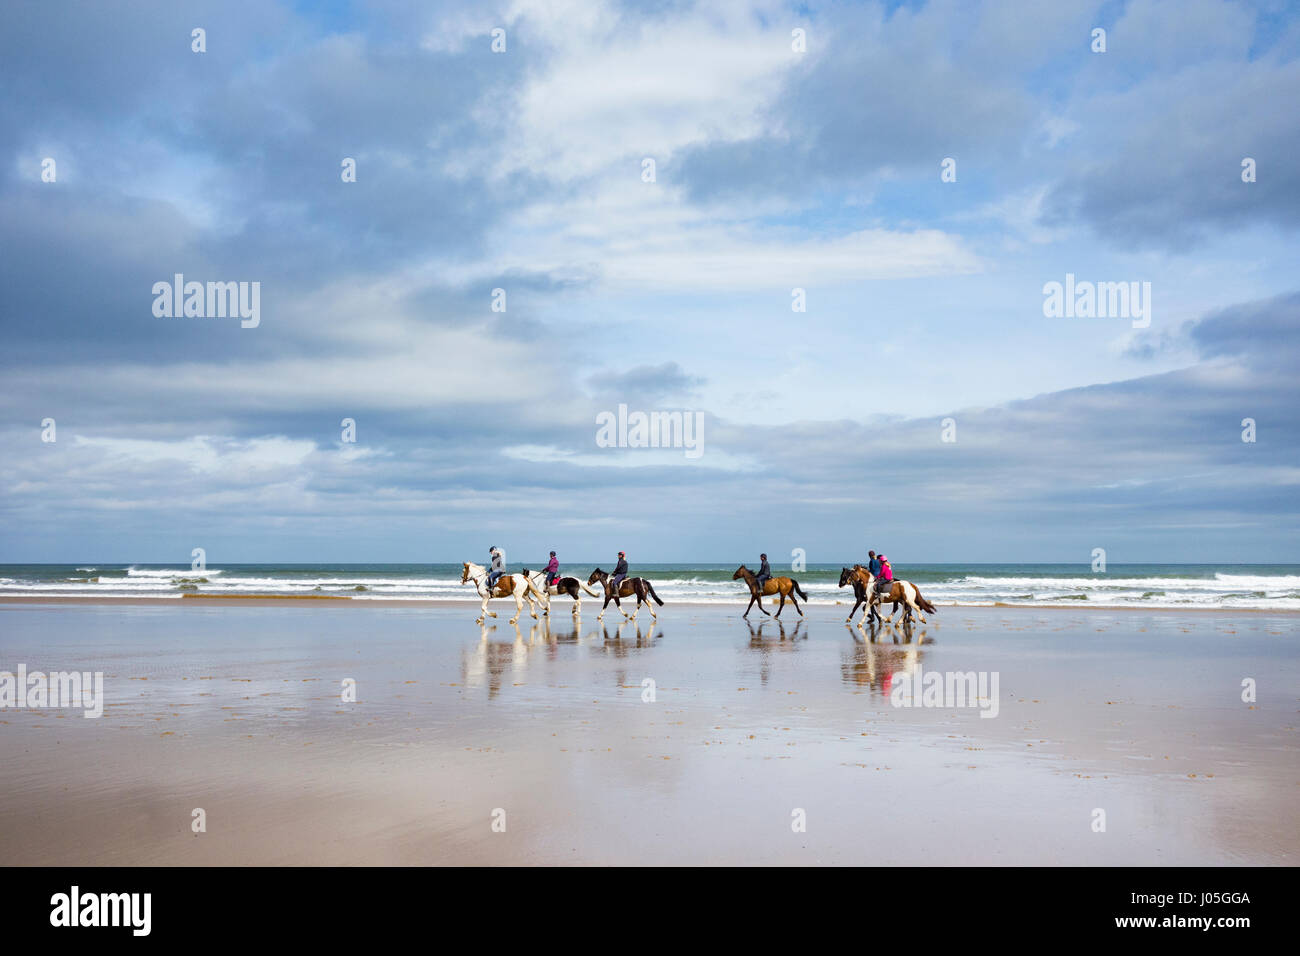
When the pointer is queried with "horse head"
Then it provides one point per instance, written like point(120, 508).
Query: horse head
point(464, 574)
point(845, 576)
point(597, 575)
point(740, 573)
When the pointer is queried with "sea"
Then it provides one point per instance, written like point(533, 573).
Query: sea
point(1180, 586)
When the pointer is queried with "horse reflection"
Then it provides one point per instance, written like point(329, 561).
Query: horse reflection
point(494, 658)
point(547, 632)
point(868, 663)
point(766, 644)
point(618, 644)
point(756, 631)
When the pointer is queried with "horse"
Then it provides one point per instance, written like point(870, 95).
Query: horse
point(567, 586)
point(640, 587)
point(786, 587)
point(900, 592)
point(848, 576)
point(517, 586)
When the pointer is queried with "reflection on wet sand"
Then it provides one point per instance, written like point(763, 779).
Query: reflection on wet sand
point(503, 651)
point(869, 663)
point(774, 638)
point(619, 643)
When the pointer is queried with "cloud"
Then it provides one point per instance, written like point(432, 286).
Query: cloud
point(523, 171)
point(645, 384)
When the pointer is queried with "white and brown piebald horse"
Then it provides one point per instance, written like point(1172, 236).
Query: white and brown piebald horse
point(899, 592)
point(573, 587)
point(517, 586)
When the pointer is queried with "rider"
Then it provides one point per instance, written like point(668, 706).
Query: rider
point(764, 573)
point(873, 564)
point(620, 572)
point(498, 567)
point(553, 570)
point(885, 579)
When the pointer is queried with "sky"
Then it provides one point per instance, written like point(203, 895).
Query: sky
point(655, 189)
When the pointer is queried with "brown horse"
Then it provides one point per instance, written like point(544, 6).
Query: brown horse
point(640, 587)
point(786, 587)
point(900, 592)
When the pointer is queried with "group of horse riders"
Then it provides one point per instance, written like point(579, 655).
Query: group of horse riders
point(877, 564)
point(552, 569)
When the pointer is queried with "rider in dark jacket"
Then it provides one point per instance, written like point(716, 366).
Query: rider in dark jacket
point(620, 572)
point(764, 573)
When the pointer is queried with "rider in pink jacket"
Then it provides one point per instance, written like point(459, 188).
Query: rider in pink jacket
point(885, 579)
point(552, 570)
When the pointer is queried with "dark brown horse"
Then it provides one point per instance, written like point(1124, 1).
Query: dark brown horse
point(786, 587)
point(569, 586)
point(642, 589)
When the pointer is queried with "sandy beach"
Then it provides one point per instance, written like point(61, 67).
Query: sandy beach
point(548, 731)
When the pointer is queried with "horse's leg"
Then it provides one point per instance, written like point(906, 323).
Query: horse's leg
point(892, 611)
point(645, 589)
point(519, 608)
point(782, 605)
point(750, 607)
point(915, 606)
point(795, 601)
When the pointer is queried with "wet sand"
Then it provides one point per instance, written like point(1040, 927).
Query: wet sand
point(234, 707)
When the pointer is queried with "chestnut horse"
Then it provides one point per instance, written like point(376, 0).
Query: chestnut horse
point(786, 587)
point(900, 592)
point(640, 587)
point(517, 586)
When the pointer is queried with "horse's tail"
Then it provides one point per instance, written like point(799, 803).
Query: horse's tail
point(924, 605)
point(587, 587)
point(798, 590)
point(651, 588)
